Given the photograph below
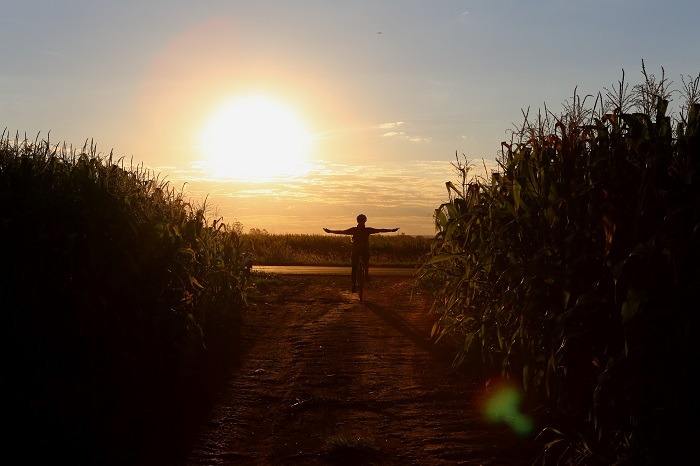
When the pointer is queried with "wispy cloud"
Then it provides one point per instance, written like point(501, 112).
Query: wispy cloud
point(394, 124)
point(56, 54)
point(330, 194)
point(401, 134)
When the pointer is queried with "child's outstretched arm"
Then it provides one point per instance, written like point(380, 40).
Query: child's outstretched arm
point(338, 232)
point(384, 230)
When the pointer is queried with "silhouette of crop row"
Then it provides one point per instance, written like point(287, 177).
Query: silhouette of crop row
point(575, 271)
point(114, 290)
point(309, 249)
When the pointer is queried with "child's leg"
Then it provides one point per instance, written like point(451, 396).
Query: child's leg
point(354, 259)
point(365, 256)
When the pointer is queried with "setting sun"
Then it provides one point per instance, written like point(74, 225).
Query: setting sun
point(254, 138)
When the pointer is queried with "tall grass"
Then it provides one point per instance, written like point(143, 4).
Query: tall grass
point(113, 287)
point(299, 249)
point(575, 271)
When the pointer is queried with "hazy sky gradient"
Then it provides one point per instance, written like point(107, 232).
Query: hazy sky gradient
point(391, 90)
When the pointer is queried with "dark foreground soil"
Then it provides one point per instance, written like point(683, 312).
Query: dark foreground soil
point(326, 379)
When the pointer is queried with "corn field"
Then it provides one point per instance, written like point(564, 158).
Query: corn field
point(111, 284)
point(307, 249)
point(574, 271)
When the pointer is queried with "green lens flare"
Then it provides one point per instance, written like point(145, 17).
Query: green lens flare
point(504, 406)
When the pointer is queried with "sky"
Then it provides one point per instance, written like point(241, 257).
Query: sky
point(291, 116)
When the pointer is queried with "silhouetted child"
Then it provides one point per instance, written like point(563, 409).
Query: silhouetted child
point(360, 243)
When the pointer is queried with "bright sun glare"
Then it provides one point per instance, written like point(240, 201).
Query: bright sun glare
point(254, 138)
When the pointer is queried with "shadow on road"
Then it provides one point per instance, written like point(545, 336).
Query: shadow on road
point(408, 329)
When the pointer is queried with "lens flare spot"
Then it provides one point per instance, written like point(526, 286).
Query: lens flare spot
point(503, 406)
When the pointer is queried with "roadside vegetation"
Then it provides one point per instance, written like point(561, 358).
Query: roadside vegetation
point(116, 291)
point(299, 249)
point(574, 272)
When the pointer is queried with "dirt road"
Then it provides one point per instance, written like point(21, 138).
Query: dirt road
point(326, 379)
